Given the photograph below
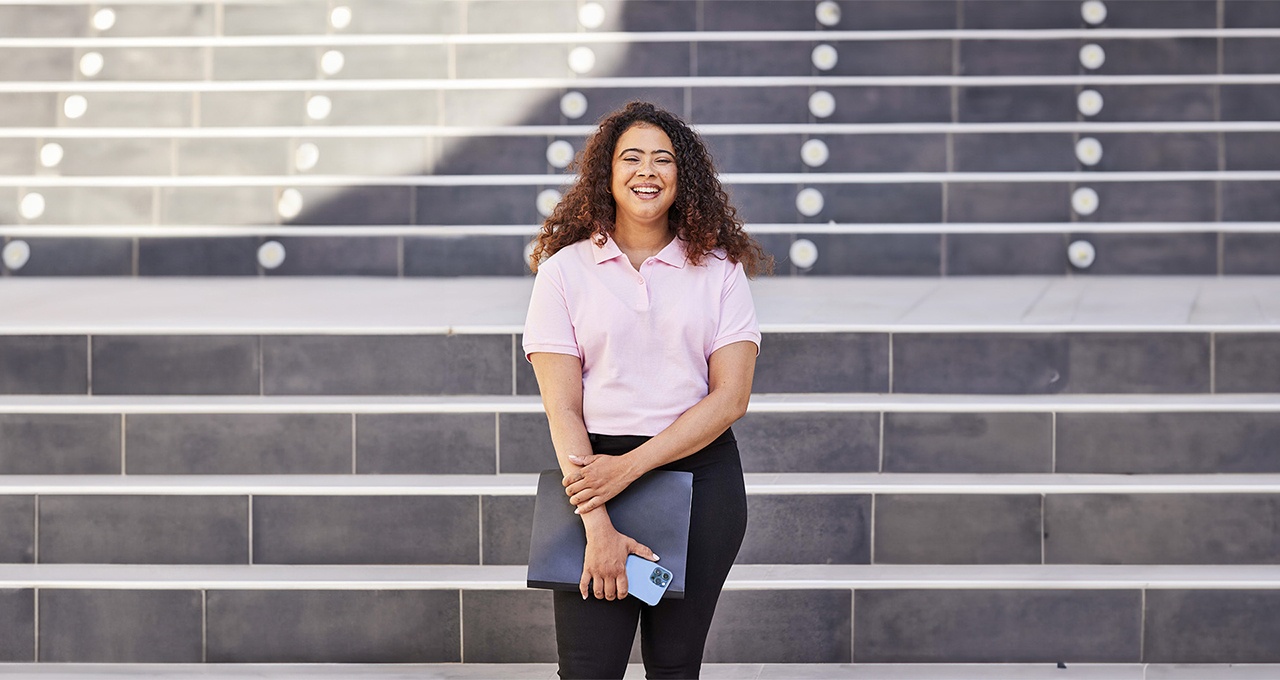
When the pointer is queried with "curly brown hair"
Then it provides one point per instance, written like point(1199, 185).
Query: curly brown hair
point(701, 214)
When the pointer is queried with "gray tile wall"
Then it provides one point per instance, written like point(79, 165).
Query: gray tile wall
point(120, 626)
point(144, 529)
point(17, 625)
point(1226, 626)
point(801, 626)
point(957, 529)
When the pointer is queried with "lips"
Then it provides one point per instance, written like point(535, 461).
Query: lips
point(646, 190)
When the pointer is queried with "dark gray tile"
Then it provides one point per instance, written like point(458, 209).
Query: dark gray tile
point(968, 442)
point(809, 442)
point(1212, 626)
point(170, 19)
point(327, 626)
point(1251, 254)
point(601, 101)
point(476, 205)
point(508, 524)
point(1003, 152)
point(884, 153)
point(881, 203)
point(37, 63)
point(1148, 253)
point(1161, 529)
point(370, 364)
point(524, 442)
point(1167, 443)
point(741, 58)
point(526, 381)
point(18, 157)
point(194, 256)
point(59, 444)
point(353, 205)
point(750, 105)
point(238, 444)
point(807, 529)
point(175, 364)
point(144, 529)
point(997, 626)
point(290, 62)
point(1167, 14)
point(889, 105)
point(1251, 150)
point(491, 156)
point(116, 157)
point(977, 363)
point(44, 364)
point(756, 153)
point(53, 21)
point(778, 247)
point(29, 109)
point(764, 15)
point(1018, 57)
point(300, 17)
point(801, 626)
point(766, 203)
point(133, 109)
point(150, 63)
point(1020, 14)
point(1006, 254)
point(426, 443)
point(98, 205)
point(78, 257)
point(1247, 362)
point(644, 60)
point(957, 529)
point(654, 15)
point(1250, 201)
point(394, 61)
point(1251, 14)
point(17, 623)
point(892, 58)
point(494, 107)
point(387, 107)
point(252, 109)
point(513, 61)
point(1155, 202)
point(888, 15)
point(219, 205)
point(1160, 56)
point(508, 626)
point(520, 16)
point(1137, 103)
point(366, 530)
point(1014, 202)
point(1164, 152)
point(405, 17)
point(1137, 363)
point(17, 531)
point(1029, 103)
point(877, 254)
point(823, 362)
point(338, 255)
point(383, 156)
point(120, 626)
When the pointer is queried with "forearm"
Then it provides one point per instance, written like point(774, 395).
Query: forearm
point(569, 438)
point(691, 432)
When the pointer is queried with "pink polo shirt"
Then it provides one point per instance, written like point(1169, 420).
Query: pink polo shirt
point(644, 337)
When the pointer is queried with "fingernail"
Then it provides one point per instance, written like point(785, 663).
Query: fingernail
point(655, 557)
point(574, 458)
point(577, 511)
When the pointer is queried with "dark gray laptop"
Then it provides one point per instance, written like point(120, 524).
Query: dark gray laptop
point(654, 510)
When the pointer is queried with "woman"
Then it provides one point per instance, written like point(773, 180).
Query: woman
point(643, 337)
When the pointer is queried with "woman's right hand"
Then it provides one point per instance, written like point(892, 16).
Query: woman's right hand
point(604, 569)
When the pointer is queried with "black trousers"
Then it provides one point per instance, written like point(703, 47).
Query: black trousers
point(594, 637)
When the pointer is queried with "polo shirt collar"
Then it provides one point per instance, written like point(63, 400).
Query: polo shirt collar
point(673, 254)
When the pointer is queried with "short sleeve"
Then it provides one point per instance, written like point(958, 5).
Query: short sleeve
point(548, 326)
point(737, 312)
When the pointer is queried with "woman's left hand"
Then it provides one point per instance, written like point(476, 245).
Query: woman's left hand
point(599, 479)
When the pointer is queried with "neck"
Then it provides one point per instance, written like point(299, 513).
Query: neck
point(642, 239)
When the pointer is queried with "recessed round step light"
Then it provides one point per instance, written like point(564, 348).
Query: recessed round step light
point(573, 105)
point(306, 157)
point(582, 60)
point(822, 104)
point(290, 204)
point(1094, 12)
point(104, 19)
point(32, 206)
point(814, 153)
point(1089, 102)
point(1084, 201)
point(825, 57)
point(340, 17)
point(319, 107)
point(16, 255)
point(591, 15)
point(271, 254)
point(91, 64)
point(803, 253)
point(828, 13)
point(51, 154)
point(1092, 56)
point(75, 106)
point(560, 153)
point(548, 199)
point(1081, 254)
point(332, 62)
point(1089, 151)
point(809, 202)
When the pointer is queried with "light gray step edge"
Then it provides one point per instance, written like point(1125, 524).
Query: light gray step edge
point(526, 484)
point(742, 577)
point(760, 403)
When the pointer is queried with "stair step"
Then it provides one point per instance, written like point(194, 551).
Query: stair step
point(742, 577)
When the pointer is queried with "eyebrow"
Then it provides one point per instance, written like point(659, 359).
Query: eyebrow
point(642, 151)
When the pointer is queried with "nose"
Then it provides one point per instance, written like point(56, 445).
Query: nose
point(646, 168)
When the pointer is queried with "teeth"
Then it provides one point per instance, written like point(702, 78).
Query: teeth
point(645, 190)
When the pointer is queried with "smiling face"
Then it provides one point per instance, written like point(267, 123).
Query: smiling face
point(644, 175)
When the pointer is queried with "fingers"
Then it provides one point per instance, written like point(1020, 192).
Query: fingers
point(622, 586)
point(637, 548)
point(585, 506)
point(584, 584)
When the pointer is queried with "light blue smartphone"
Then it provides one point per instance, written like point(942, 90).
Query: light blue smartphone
point(646, 580)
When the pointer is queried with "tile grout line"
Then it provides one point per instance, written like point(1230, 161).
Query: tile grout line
point(480, 525)
point(497, 442)
point(353, 443)
point(881, 468)
point(35, 541)
point(1053, 441)
point(872, 537)
point(250, 528)
point(35, 602)
point(461, 630)
point(1043, 539)
point(1213, 362)
point(261, 371)
point(88, 349)
point(890, 363)
point(853, 603)
point(1142, 626)
point(513, 364)
point(204, 626)
point(124, 454)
